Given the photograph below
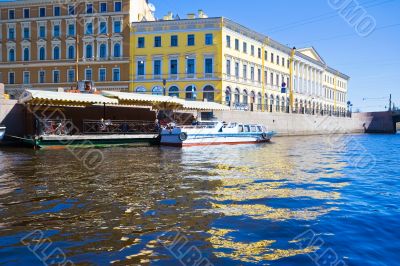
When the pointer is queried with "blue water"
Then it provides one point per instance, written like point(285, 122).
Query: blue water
point(321, 200)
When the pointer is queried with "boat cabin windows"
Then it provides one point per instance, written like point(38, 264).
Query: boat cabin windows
point(259, 129)
point(253, 128)
point(246, 128)
point(240, 128)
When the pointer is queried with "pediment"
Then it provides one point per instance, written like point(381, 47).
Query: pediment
point(312, 53)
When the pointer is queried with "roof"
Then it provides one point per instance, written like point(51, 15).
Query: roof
point(212, 106)
point(312, 53)
point(155, 101)
point(63, 98)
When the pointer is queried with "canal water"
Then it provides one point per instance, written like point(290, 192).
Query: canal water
point(321, 200)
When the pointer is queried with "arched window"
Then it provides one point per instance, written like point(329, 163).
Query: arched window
point(141, 90)
point(191, 93)
point(89, 51)
point(11, 55)
point(71, 52)
point(237, 96)
point(245, 97)
point(26, 54)
point(117, 50)
point(103, 50)
point(42, 53)
point(208, 93)
point(56, 53)
point(173, 91)
point(157, 90)
point(228, 96)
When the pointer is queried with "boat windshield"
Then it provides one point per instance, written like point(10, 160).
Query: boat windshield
point(259, 128)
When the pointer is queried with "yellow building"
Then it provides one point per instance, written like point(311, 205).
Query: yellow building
point(216, 59)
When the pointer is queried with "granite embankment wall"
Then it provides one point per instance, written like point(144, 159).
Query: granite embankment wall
point(12, 116)
point(298, 124)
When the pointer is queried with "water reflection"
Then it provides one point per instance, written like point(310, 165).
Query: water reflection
point(237, 205)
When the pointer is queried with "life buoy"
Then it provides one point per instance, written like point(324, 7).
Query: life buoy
point(264, 135)
point(183, 136)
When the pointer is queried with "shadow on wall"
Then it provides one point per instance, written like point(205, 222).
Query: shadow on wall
point(12, 116)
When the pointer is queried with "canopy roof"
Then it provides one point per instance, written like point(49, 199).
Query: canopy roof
point(155, 101)
point(193, 105)
point(64, 98)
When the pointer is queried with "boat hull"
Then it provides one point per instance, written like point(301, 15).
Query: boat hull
point(174, 140)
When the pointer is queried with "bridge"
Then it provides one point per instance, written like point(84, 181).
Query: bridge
point(380, 122)
point(396, 118)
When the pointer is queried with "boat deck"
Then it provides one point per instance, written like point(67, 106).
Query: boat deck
point(98, 137)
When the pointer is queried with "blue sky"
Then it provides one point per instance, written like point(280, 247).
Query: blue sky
point(372, 62)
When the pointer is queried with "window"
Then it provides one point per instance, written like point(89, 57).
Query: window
point(259, 53)
point(26, 12)
point(42, 53)
point(174, 92)
point(56, 76)
point(265, 55)
point(252, 73)
point(89, 28)
point(26, 33)
point(228, 67)
point(191, 40)
point(157, 67)
point(174, 41)
point(208, 66)
point(42, 76)
point(117, 50)
point(277, 79)
point(103, 27)
point(26, 54)
point(103, 7)
point(56, 53)
point(173, 68)
point(71, 10)
point(102, 74)
point(283, 61)
point(116, 74)
point(56, 31)
point(11, 78)
point(88, 74)
point(244, 71)
point(42, 32)
point(71, 30)
point(237, 44)
point(157, 90)
point(141, 42)
point(89, 51)
point(245, 47)
point(141, 90)
point(236, 69)
point(209, 39)
point(117, 26)
point(277, 59)
point(103, 51)
point(252, 50)
point(191, 66)
point(272, 57)
point(89, 8)
point(57, 11)
point(140, 68)
point(157, 41)
point(11, 33)
point(11, 14)
point(27, 77)
point(259, 75)
point(71, 52)
point(70, 75)
point(42, 12)
point(228, 41)
point(271, 79)
point(117, 6)
point(11, 55)
point(191, 93)
point(208, 93)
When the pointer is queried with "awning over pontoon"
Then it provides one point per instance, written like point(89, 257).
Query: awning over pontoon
point(206, 106)
point(155, 101)
point(54, 98)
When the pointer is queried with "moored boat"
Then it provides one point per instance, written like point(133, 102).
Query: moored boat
point(2, 132)
point(215, 133)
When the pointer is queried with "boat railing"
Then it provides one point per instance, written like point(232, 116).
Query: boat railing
point(119, 127)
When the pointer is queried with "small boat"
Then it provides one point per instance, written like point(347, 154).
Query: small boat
point(2, 132)
point(215, 133)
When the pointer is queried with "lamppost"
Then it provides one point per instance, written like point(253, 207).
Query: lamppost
point(164, 87)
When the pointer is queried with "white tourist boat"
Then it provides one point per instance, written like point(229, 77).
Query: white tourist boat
point(2, 132)
point(215, 133)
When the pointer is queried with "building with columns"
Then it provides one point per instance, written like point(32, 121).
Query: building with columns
point(216, 59)
point(51, 44)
